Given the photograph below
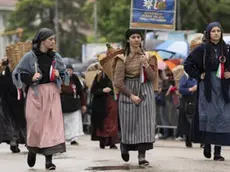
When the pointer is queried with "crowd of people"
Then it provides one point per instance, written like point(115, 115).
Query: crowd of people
point(49, 99)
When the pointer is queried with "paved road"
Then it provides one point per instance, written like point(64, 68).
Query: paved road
point(167, 156)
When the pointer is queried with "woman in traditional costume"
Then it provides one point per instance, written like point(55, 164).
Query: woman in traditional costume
point(73, 101)
point(209, 63)
point(134, 75)
point(12, 120)
point(42, 70)
point(104, 117)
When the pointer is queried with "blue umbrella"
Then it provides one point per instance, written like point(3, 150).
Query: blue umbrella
point(173, 49)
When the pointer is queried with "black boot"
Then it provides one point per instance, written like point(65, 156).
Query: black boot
point(188, 143)
point(14, 147)
point(31, 159)
point(124, 153)
point(207, 151)
point(217, 154)
point(102, 143)
point(49, 164)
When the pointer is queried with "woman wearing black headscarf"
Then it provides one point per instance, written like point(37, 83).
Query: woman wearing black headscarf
point(134, 75)
point(42, 70)
point(209, 64)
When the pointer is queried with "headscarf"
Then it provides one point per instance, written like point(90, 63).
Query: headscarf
point(210, 27)
point(42, 35)
point(69, 66)
point(130, 32)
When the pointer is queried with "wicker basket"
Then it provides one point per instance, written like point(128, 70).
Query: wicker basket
point(15, 52)
point(91, 72)
point(198, 39)
point(106, 60)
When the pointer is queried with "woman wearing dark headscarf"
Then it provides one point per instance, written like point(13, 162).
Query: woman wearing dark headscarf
point(104, 119)
point(134, 75)
point(73, 101)
point(42, 70)
point(209, 64)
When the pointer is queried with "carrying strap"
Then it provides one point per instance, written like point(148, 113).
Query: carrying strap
point(204, 58)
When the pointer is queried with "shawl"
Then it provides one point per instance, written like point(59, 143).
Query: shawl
point(29, 65)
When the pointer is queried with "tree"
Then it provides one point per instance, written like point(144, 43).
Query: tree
point(197, 14)
point(33, 15)
point(113, 19)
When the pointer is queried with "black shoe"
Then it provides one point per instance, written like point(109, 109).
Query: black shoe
point(143, 163)
point(207, 151)
point(31, 159)
point(74, 143)
point(113, 147)
point(102, 145)
point(218, 158)
point(125, 156)
point(14, 147)
point(188, 144)
point(50, 166)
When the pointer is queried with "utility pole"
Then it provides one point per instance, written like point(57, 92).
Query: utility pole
point(178, 15)
point(95, 20)
point(57, 25)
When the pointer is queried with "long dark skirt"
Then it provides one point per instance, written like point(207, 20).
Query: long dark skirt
point(12, 116)
point(109, 133)
point(186, 112)
point(212, 120)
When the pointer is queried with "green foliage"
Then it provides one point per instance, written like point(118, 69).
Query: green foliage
point(76, 16)
point(113, 18)
point(196, 14)
point(32, 15)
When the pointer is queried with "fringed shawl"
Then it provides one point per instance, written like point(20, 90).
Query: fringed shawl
point(29, 65)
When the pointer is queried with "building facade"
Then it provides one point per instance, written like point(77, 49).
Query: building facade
point(6, 6)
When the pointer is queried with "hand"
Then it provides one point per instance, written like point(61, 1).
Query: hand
point(135, 99)
point(193, 89)
point(83, 109)
point(106, 90)
point(144, 61)
point(202, 76)
point(169, 90)
point(56, 72)
point(226, 75)
point(159, 90)
point(36, 76)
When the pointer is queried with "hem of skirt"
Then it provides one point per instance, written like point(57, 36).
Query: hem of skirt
point(222, 139)
point(137, 147)
point(60, 148)
point(74, 137)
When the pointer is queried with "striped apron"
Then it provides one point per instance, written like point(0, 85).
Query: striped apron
point(137, 122)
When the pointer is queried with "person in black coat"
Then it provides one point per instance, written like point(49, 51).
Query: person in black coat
point(12, 117)
point(104, 118)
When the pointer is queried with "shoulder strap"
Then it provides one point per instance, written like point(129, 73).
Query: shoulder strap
point(204, 58)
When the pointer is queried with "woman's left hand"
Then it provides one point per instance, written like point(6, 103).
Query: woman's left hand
point(56, 72)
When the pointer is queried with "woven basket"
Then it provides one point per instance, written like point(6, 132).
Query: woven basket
point(106, 59)
point(198, 39)
point(15, 52)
